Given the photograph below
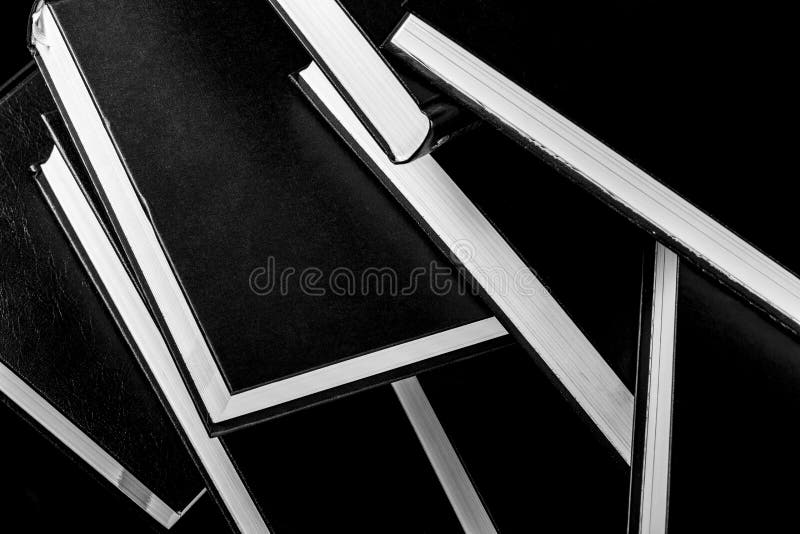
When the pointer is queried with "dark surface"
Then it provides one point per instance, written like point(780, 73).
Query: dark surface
point(534, 460)
point(735, 437)
point(587, 255)
point(203, 516)
point(352, 466)
point(695, 94)
point(14, 16)
point(236, 168)
point(48, 490)
point(54, 330)
point(625, 72)
point(376, 19)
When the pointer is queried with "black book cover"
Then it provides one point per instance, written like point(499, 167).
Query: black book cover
point(241, 179)
point(534, 460)
point(353, 465)
point(734, 438)
point(57, 334)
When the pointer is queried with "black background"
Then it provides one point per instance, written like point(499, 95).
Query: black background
point(734, 441)
point(14, 53)
point(750, 57)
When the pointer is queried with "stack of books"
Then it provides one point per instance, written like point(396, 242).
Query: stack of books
point(303, 266)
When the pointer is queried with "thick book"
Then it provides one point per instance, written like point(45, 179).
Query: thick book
point(281, 273)
point(618, 72)
point(561, 259)
point(561, 271)
point(235, 484)
point(263, 473)
point(64, 363)
point(620, 107)
point(402, 119)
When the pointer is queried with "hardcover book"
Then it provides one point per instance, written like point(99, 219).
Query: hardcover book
point(548, 279)
point(238, 478)
point(610, 98)
point(279, 270)
point(663, 103)
point(64, 362)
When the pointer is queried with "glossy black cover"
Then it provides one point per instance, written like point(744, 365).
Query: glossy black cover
point(236, 170)
point(56, 333)
point(683, 91)
point(353, 466)
point(536, 464)
point(735, 436)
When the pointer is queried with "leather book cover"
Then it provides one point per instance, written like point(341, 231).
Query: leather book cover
point(56, 333)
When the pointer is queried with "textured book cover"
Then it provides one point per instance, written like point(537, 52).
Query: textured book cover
point(59, 344)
